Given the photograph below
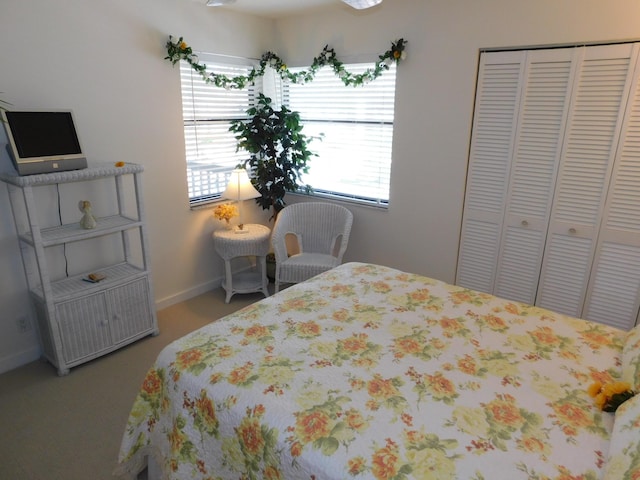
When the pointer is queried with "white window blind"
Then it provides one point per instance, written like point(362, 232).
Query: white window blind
point(207, 112)
point(354, 157)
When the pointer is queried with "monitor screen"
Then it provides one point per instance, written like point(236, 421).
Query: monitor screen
point(43, 134)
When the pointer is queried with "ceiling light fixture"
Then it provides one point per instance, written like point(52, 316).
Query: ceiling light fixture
point(219, 3)
point(362, 4)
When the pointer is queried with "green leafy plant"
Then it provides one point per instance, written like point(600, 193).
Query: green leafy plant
point(279, 151)
point(180, 50)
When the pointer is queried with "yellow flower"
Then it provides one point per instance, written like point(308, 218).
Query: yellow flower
point(183, 45)
point(119, 164)
point(594, 389)
point(225, 212)
point(610, 396)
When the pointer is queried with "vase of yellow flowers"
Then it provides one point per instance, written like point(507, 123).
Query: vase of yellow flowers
point(226, 212)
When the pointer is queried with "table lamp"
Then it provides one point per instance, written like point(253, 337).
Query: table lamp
point(240, 189)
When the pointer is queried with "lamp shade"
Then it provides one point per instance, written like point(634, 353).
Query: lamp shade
point(239, 186)
point(362, 4)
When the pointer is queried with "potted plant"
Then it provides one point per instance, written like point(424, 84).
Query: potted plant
point(278, 151)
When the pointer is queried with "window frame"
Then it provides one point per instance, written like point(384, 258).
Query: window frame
point(359, 65)
point(213, 178)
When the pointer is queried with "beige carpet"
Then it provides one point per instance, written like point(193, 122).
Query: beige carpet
point(69, 428)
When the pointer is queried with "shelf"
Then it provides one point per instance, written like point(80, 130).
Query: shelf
point(73, 232)
point(103, 170)
point(79, 320)
point(75, 286)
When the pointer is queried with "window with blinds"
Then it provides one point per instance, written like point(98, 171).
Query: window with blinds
point(354, 156)
point(207, 112)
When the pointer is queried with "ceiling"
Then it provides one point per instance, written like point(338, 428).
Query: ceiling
point(274, 8)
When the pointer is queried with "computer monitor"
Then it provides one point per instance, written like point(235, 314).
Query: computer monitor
point(42, 141)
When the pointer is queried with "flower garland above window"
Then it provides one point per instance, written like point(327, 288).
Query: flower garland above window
point(179, 50)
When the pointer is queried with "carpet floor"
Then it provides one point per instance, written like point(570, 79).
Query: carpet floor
point(70, 428)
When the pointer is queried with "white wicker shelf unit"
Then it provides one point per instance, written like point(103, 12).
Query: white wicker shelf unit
point(77, 320)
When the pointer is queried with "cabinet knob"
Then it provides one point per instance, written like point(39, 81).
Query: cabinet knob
point(116, 317)
point(524, 223)
point(572, 230)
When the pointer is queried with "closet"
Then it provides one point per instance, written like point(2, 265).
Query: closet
point(552, 203)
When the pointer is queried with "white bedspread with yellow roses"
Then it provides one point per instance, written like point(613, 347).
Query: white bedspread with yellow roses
point(367, 372)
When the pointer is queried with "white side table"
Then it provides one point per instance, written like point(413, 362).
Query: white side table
point(230, 245)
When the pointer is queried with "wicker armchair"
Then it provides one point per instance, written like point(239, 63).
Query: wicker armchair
point(322, 231)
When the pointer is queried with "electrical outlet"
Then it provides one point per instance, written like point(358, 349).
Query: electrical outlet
point(24, 325)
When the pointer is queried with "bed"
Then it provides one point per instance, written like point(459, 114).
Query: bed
point(367, 372)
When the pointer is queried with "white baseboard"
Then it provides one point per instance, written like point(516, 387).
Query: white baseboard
point(187, 294)
point(19, 359)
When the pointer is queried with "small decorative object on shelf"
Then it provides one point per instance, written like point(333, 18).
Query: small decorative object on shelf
point(87, 221)
point(94, 277)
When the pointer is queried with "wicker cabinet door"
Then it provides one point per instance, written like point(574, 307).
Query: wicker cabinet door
point(129, 311)
point(84, 327)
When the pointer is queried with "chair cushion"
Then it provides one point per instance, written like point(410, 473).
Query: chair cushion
point(303, 266)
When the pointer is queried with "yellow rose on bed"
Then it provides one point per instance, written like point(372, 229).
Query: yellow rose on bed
point(232, 453)
point(548, 388)
point(250, 435)
point(522, 342)
point(500, 367)
point(471, 420)
point(400, 329)
point(275, 374)
point(323, 349)
point(431, 464)
point(312, 395)
point(535, 442)
point(311, 426)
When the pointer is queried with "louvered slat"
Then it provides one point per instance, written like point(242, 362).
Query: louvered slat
point(535, 161)
point(520, 265)
point(591, 134)
point(357, 129)
point(599, 94)
point(494, 126)
point(207, 113)
point(613, 293)
point(478, 252)
point(565, 268)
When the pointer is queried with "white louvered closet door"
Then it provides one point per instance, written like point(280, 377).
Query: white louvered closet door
point(602, 84)
point(494, 126)
point(613, 295)
point(541, 124)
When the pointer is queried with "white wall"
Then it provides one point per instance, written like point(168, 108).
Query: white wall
point(104, 59)
point(434, 101)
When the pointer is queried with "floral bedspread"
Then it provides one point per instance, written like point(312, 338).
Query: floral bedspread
point(367, 372)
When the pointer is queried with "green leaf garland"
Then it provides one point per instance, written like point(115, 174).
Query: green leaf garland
point(180, 50)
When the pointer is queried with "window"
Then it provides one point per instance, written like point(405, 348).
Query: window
point(354, 157)
point(207, 112)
